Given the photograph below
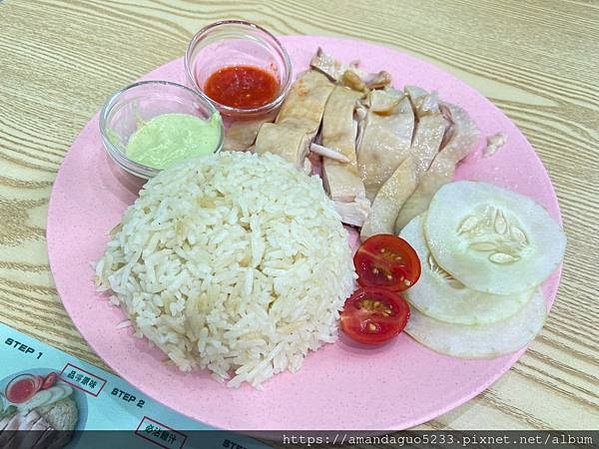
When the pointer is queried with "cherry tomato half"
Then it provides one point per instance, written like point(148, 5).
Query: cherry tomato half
point(374, 315)
point(387, 261)
point(49, 381)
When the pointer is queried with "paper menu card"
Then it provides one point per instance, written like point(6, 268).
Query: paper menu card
point(42, 388)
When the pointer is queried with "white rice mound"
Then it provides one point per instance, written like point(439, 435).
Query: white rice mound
point(233, 262)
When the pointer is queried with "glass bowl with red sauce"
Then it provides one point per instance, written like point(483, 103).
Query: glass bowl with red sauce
point(240, 66)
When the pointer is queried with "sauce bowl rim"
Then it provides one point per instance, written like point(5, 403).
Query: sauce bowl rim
point(119, 156)
point(229, 110)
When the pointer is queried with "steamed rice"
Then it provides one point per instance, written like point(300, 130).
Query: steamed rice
point(234, 262)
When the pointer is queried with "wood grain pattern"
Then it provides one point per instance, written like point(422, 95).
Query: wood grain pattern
point(537, 60)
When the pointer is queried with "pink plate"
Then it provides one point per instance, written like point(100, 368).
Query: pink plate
point(339, 387)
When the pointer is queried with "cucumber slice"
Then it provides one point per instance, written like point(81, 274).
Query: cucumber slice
point(491, 239)
point(59, 392)
point(40, 398)
point(483, 341)
point(439, 295)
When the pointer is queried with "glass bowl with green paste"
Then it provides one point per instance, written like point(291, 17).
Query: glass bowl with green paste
point(151, 125)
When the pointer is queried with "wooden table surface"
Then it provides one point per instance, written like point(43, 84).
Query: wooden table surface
point(537, 60)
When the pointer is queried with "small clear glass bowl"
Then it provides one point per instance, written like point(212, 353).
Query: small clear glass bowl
point(237, 42)
point(131, 107)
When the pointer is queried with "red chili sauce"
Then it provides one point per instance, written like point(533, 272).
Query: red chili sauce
point(242, 86)
point(21, 390)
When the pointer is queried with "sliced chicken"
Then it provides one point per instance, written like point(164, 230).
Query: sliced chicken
point(32, 428)
point(342, 180)
point(402, 183)
point(16, 430)
point(49, 438)
point(385, 137)
point(356, 79)
point(4, 422)
point(298, 120)
point(342, 183)
point(29, 421)
point(338, 125)
point(241, 135)
point(288, 141)
point(449, 124)
point(10, 424)
point(306, 101)
point(354, 213)
point(347, 191)
point(359, 116)
point(398, 188)
point(464, 136)
point(430, 129)
point(60, 441)
point(376, 80)
point(384, 102)
point(328, 65)
point(349, 75)
point(417, 95)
